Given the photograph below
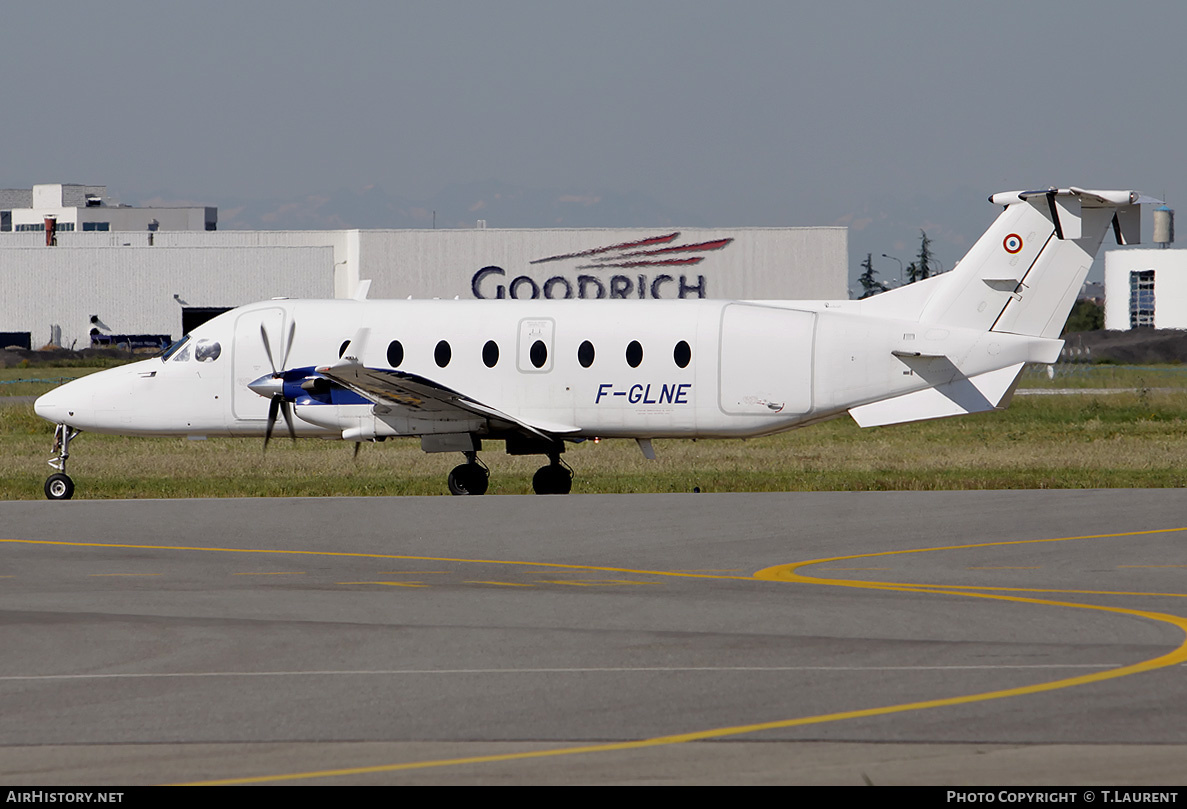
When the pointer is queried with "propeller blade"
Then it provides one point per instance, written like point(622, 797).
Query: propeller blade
point(273, 408)
point(357, 444)
point(267, 348)
point(288, 346)
point(286, 411)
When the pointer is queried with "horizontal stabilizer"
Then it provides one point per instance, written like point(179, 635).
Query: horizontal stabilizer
point(965, 395)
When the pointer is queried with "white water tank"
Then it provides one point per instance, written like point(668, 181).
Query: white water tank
point(1164, 225)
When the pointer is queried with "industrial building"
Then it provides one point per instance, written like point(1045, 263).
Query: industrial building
point(156, 282)
point(1147, 288)
point(70, 207)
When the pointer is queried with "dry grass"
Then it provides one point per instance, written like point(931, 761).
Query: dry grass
point(1134, 439)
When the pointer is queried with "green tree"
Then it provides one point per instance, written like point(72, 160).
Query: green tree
point(869, 286)
point(1086, 316)
point(921, 268)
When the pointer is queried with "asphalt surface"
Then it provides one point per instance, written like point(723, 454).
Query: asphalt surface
point(597, 639)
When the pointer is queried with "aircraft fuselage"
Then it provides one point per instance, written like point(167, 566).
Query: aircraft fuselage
point(653, 369)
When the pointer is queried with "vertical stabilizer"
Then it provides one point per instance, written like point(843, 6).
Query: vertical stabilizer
point(1024, 274)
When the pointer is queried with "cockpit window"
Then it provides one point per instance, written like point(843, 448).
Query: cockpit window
point(183, 355)
point(174, 348)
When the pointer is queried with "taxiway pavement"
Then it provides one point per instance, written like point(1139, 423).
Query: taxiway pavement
point(597, 639)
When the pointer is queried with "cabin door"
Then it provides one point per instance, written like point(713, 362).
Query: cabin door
point(766, 360)
point(251, 360)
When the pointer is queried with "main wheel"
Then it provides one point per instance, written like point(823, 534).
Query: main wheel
point(59, 486)
point(552, 479)
point(468, 478)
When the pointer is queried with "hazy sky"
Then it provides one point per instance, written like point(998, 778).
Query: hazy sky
point(745, 113)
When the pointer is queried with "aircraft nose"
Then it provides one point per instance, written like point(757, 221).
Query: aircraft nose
point(50, 406)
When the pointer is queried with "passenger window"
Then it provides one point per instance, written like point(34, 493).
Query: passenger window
point(682, 354)
point(207, 351)
point(634, 354)
point(538, 353)
point(585, 354)
point(395, 353)
point(442, 354)
point(490, 354)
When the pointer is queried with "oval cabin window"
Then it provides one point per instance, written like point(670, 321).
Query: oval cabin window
point(585, 354)
point(538, 353)
point(490, 354)
point(395, 353)
point(682, 354)
point(634, 354)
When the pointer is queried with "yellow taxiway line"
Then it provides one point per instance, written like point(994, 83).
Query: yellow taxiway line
point(787, 573)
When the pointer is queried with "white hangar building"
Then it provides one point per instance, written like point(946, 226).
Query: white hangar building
point(96, 287)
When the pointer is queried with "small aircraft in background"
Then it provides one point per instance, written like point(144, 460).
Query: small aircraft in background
point(536, 374)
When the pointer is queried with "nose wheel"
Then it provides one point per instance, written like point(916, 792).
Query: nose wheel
point(59, 486)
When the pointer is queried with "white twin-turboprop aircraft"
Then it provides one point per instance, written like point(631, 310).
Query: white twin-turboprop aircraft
point(539, 373)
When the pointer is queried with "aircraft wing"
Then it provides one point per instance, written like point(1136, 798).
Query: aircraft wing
point(420, 397)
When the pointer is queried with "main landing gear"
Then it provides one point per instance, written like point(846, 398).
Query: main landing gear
point(59, 486)
point(556, 478)
point(473, 477)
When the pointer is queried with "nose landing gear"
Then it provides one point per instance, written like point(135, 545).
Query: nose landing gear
point(59, 486)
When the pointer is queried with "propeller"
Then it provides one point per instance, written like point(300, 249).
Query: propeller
point(279, 403)
point(273, 386)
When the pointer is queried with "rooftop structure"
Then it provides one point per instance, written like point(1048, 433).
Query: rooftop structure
point(75, 207)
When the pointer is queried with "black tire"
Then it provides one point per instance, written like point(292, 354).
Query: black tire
point(59, 486)
point(468, 479)
point(552, 479)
